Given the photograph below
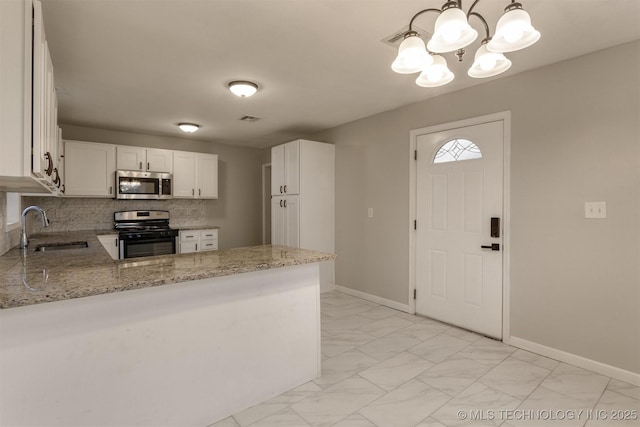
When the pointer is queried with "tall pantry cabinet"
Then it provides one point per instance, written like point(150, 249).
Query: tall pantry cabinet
point(303, 199)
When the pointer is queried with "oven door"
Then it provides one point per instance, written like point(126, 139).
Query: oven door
point(134, 248)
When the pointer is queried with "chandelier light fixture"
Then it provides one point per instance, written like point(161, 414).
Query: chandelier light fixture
point(452, 33)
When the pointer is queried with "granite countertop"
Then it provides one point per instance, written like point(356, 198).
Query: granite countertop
point(198, 227)
point(40, 277)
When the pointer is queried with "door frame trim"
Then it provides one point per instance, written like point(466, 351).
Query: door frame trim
point(505, 117)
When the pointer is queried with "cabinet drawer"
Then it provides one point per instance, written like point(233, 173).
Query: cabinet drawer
point(209, 234)
point(189, 236)
point(208, 245)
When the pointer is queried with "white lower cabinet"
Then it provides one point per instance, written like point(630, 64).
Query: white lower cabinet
point(285, 221)
point(110, 243)
point(198, 240)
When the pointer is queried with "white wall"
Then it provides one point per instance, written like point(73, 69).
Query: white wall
point(575, 283)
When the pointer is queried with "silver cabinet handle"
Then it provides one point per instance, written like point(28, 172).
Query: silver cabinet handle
point(148, 166)
point(140, 165)
point(116, 242)
point(199, 192)
point(281, 189)
point(196, 246)
point(285, 203)
point(110, 189)
point(193, 192)
point(285, 188)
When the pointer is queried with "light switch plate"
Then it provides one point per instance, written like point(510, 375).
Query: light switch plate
point(597, 210)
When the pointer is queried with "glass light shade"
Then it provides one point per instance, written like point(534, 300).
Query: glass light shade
point(436, 74)
point(488, 64)
point(513, 32)
point(243, 89)
point(412, 56)
point(452, 32)
point(188, 127)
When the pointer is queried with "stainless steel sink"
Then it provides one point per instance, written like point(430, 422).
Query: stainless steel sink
point(60, 246)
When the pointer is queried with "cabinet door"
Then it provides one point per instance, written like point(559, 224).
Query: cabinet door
point(184, 174)
point(207, 176)
point(277, 170)
point(110, 243)
point(159, 160)
point(40, 97)
point(292, 167)
point(292, 229)
point(89, 169)
point(130, 158)
point(188, 247)
point(278, 221)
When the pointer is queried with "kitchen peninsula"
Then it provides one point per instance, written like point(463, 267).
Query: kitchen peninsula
point(170, 340)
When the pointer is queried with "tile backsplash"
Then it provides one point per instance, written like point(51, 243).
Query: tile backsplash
point(70, 214)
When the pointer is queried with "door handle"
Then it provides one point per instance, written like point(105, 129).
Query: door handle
point(493, 247)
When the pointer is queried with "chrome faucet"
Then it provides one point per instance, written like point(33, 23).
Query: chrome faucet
point(24, 242)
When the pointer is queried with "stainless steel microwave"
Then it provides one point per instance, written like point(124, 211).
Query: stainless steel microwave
point(144, 185)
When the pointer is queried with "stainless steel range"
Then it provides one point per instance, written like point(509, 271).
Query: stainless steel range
point(145, 233)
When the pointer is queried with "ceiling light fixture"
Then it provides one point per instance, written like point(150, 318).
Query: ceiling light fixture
point(188, 127)
point(453, 33)
point(243, 89)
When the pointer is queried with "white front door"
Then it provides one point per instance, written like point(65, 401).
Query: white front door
point(459, 191)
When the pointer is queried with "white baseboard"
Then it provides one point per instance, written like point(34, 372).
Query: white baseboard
point(373, 298)
point(574, 359)
point(327, 288)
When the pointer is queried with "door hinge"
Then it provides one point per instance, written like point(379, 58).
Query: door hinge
point(415, 293)
point(415, 155)
point(415, 224)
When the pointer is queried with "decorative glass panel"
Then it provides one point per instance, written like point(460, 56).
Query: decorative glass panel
point(456, 150)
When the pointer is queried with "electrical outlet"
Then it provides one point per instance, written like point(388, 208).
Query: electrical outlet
point(596, 210)
point(370, 212)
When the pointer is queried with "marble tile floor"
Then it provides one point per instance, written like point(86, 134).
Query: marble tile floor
point(385, 368)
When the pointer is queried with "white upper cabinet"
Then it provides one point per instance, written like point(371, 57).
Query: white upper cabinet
point(285, 169)
point(28, 102)
point(195, 175)
point(144, 159)
point(159, 160)
point(89, 169)
point(184, 174)
point(207, 175)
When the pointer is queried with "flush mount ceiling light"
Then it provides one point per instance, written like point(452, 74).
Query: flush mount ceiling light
point(453, 32)
point(188, 127)
point(242, 88)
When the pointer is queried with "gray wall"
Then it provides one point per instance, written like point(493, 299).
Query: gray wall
point(575, 283)
point(237, 211)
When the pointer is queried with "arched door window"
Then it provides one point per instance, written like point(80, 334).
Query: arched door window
point(456, 150)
